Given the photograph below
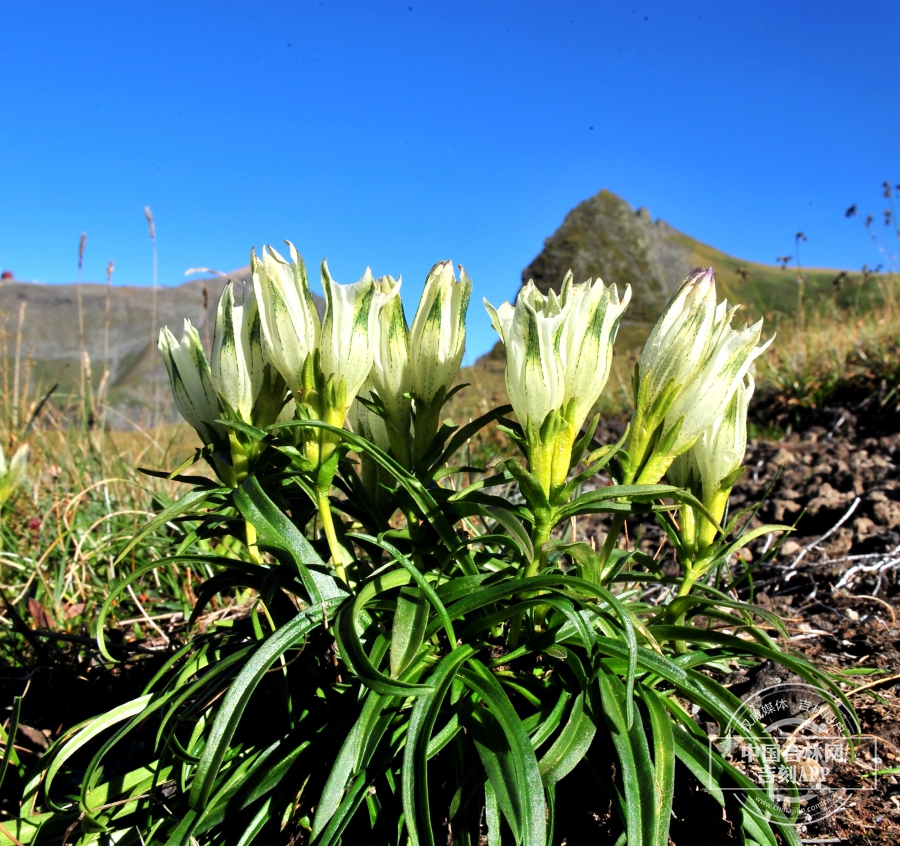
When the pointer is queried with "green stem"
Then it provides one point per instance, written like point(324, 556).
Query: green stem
point(687, 582)
point(338, 553)
point(690, 576)
point(540, 536)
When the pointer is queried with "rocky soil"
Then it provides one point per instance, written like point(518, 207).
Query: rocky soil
point(833, 581)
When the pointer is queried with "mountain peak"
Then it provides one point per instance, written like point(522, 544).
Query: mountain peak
point(604, 237)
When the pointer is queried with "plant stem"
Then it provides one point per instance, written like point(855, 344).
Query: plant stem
point(540, 536)
point(690, 577)
point(338, 553)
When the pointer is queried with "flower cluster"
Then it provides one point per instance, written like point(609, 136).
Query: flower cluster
point(559, 355)
point(272, 358)
point(239, 384)
point(693, 364)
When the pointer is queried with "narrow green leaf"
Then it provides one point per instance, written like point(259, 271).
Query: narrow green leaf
point(423, 500)
point(571, 745)
point(466, 432)
point(638, 775)
point(526, 792)
point(367, 731)
point(276, 530)
point(408, 629)
point(415, 758)
point(663, 764)
point(430, 593)
point(351, 647)
point(182, 506)
point(232, 708)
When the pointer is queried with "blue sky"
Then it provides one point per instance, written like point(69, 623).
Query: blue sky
point(395, 134)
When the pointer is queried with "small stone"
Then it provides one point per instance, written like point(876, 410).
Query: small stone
point(789, 548)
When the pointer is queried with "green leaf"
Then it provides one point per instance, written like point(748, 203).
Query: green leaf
point(750, 535)
point(504, 517)
point(583, 556)
point(415, 758)
point(802, 668)
point(408, 630)
point(595, 501)
point(430, 593)
point(365, 735)
point(638, 773)
point(244, 428)
point(530, 489)
point(277, 531)
point(182, 506)
point(663, 764)
point(86, 732)
point(9, 737)
point(521, 779)
point(582, 442)
point(466, 432)
point(351, 647)
point(235, 702)
point(515, 529)
point(422, 499)
point(571, 745)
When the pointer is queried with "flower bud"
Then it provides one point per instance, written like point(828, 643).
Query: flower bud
point(290, 322)
point(727, 362)
point(720, 449)
point(532, 333)
point(678, 342)
point(191, 380)
point(237, 365)
point(587, 345)
point(690, 368)
point(710, 468)
point(437, 338)
point(349, 339)
point(391, 375)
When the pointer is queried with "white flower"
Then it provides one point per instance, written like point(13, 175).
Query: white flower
point(391, 376)
point(349, 336)
point(727, 362)
point(532, 334)
point(290, 322)
point(720, 449)
point(191, 380)
point(437, 338)
point(238, 364)
point(587, 342)
point(677, 345)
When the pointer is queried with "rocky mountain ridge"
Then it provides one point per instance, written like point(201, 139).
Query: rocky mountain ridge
point(604, 237)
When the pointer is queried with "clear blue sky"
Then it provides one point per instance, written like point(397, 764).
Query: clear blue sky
point(395, 134)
